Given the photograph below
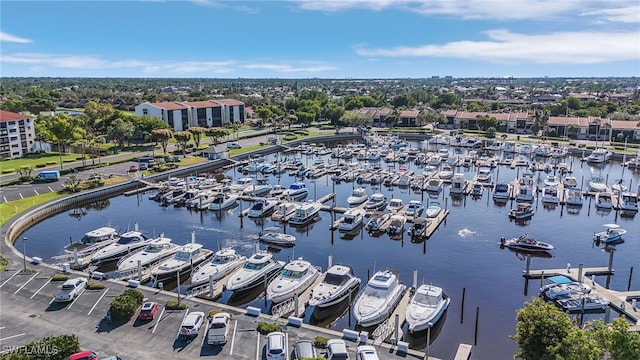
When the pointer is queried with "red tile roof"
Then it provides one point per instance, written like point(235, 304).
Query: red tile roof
point(169, 105)
point(202, 104)
point(11, 116)
point(230, 102)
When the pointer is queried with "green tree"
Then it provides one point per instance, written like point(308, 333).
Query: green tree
point(162, 136)
point(491, 132)
point(332, 112)
point(216, 134)
point(574, 103)
point(13, 105)
point(121, 131)
point(617, 340)
point(197, 133)
point(573, 129)
point(182, 137)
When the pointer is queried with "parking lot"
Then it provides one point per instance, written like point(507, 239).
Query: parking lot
point(29, 313)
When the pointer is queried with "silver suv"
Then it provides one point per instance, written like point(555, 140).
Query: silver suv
point(337, 350)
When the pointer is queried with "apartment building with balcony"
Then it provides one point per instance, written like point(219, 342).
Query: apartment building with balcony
point(17, 135)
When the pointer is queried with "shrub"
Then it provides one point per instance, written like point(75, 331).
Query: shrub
point(290, 137)
point(123, 306)
point(51, 162)
point(265, 327)
point(60, 277)
point(94, 285)
point(173, 305)
point(7, 171)
point(213, 312)
point(41, 165)
point(56, 348)
point(320, 342)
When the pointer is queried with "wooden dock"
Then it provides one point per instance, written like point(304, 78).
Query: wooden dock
point(463, 353)
point(204, 291)
point(435, 222)
point(572, 273)
point(387, 328)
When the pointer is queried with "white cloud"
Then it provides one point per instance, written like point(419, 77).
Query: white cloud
point(504, 46)
point(626, 14)
point(284, 68)
point(5, 37)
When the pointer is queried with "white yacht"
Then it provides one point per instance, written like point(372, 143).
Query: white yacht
point(443, 153)
point(604, 200)
point(128, 242)
point(597, 184)
point(186, 256)
point(526, 191)
point(550, 195)
point(502, 191)
point(414, 209)
point(94, 240)
point(484, 175)
point(509, 147)
point(296, 191)
point(573, 197)
point(253, 272)
point(377, 202)
point(629, 202)
point(426, 307)
point(446, 172)
point(154, 253)
point(358, 196)
point(433, 209)
point(378, 299)
point(338, 282)
point(599, 156)
point(241, 184)
point(351, 219)
point(305, 213)
point(275, 236)
point(224, 262)
point(434, 185)
point(418, 227)
point(223, 200)
point(376, 221)
point(396, 227)
point(295, 277)
point(284, 210)
point(551, 180)
point(458, 184)
point(569, 182)
point(395, 205)
point(260, 189)
point(262, 207)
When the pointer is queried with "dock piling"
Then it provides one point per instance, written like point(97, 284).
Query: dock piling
point(464, 290)
point(330, 261)
point(629, 281)
point(475, 332)
point(415, 278)
point(528, 266)
point(580, 267)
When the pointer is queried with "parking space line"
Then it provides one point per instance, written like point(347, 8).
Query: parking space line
point(12, 336)
point(206, 333)
point(158, 321)
point(233, 336)
point(41, 287)
point(286, 345)
point(258, 347)
point(10, 277)
point(23, 285)
point(180, 328)
point(96, 304)
point(76, 299)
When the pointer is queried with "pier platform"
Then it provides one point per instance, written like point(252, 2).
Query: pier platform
point(435, 222)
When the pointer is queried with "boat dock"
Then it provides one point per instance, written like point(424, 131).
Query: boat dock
point(435, 222)
point(290, 306)
point(204, 291)
point(387, 328)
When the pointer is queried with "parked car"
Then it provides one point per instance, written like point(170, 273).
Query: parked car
point(234, 145)
point(337, 350)
point(366, 352)
point(218, 333)
point(133, 168)
point(304, 349)
point(144, 166)
point(71, 289)
point(276, 347)
point(191, 325)
point(84, 355)
point(148, 310)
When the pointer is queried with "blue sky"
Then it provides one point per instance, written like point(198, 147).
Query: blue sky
point(320, 39)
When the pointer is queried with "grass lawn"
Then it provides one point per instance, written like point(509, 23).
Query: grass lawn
point(247, 149)
point(46, 159)
point(12, 208)
point(191, 160)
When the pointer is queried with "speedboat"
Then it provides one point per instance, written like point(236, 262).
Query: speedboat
point(376, 221)
point(446, 172)
point(338, 282)
point(377, 201)
point(358, 196)
point(477, 189)
point(525, 190)
point(186, 256)
point(522, 211)
point(599, 156)
point(426, 307)
point(396, 227)
point(458, 184)
point(262, 207)
point(395, 205)
point(351, 219)
point(551, 180)
point(434, 185)
point(93, 241)
point(502, 191)
point(604, 200)
point(223, 200)
point(570, 182)
point(296, 191)
point(583, 304)
point(484, 175)
point(128, 242)
point(629, 202)
point(378, 299)
point(525, 243)
point(562, 287)
point(273, 235)
point(294, 278)
point(597, 184)
point(241, 184)
point(573, 197)
point(305, 213)
point(224, 262)
point(433, 209)
point(418, 227)
point(260, 265)
point(610, 236)
point(155, 252)
point(284, 210)
point(414, 209)
point(550, 195)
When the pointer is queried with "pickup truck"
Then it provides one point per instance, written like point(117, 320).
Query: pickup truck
point(71, 289)
point(218, 332)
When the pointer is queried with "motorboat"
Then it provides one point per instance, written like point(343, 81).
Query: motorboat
point(458, 184)
point(202, 200)
point(224, 262)
point(351, 219)
point(305, 213)
point(396, 226)
point(562, 287)
point(336, 285)
point(274, 235)
point(611, 235)
point(484, 175)
point(619, 187)
point(526, 190)
point(187, 197)
point(185, 257)
point(628, 202)
point(597, 184)
point(154, 253)
point(521, 160)
point(262, 207)
point(223, 200)
point(414, 209)
point(260, 189)
point(573, 197)
point(522, 211)
point(93, 241)
point(443, 153)
point(502, 191)
point(284, 211)
point(433, 209)
point(377, 201)
point(434, 185)
point(404, 181)
point(604, 200)
point(525, 149)
point(446, 172)
point(542, 150)
point(418, 228)
point(509, 147)
point(128, 242)
point(551, 180)
point(296, 191)
point(358, 196)
point(588, 303)
point(395, 205)
point(570, 182)
point(241, 184)
point(550, 195)
point(477, 189)
point(599, 156)
point(378, 299)
point(425, 308)
point(295, 278)
point(259, 266)
point(376, 221)
point(526, 243)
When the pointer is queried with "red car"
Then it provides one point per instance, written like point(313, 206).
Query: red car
point(84, 355)
point(148, 311)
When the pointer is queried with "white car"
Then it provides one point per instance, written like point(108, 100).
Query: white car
point(366, 352)
point(276, 347)
point(219, 329)
point(234, 145)
point(337, 350)
point(191, 324)
point(71, 289)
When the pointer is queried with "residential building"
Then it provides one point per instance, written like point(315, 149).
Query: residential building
point(595, 128)
point(409, 118)
point(377, 115)
point(517, 123)
point(17, 135)
point(182, 115)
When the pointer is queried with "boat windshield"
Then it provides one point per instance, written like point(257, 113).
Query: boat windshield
point(154, 248)
point(130, 239)
point(220, 260)
point(424, 299)
point(372, 289)
point(254, 266)
point(184, 255)
point(293, 274)
point(90, 239)
point(333, 279)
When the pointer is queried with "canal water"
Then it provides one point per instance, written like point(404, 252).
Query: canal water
point(462, 255)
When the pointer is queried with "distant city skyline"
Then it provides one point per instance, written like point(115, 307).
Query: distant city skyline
point(333, 39)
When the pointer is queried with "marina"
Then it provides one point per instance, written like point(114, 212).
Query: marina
point(457, 252)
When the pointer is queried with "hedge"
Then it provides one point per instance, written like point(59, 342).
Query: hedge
point(173, 305)
point(123, 306)
point(60, 277)
point(265, 327)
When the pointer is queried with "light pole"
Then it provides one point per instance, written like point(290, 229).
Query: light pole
point(24, 253)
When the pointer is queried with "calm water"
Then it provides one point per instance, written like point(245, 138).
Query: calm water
point(462, 253)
